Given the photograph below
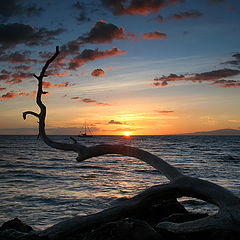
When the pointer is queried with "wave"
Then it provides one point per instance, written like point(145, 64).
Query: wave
point(146, 171)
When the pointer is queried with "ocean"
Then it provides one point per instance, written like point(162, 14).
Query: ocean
point(43, 186)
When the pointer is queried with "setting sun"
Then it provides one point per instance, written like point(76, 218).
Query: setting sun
point(127, 134)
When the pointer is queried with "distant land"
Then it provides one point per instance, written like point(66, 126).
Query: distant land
point(217, 132)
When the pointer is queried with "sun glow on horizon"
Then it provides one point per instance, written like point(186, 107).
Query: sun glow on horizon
point(127, 134)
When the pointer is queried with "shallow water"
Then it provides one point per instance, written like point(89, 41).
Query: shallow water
point(42, 186)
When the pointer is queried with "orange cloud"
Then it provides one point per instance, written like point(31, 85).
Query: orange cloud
point(114, 122)
point(23, 67)
point(97, 72)
point(18, 77)
point(60, 85)
point(4, 75)
point(133, 7)
point(89, 100)
point(65, 73)
point(17, 57)
point(12, 94)
point(213, 77)
point(154, 36)
point(164, 112)
point(91, 55)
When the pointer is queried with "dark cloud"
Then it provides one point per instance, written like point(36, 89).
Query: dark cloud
point(78, 5)
point(17, 57)
point(217, 74)
point(103, 32)
point(114, 122)
point(133, 7)
point(33, 10)
point(11, 8)
point(154, 36)
point(235, 62)
point(17, 33)
point(89, 100)
point(10, 95)
point(22, 68)
point(226, 83)
point(213, 77)
point(18, 77)
point(82, 17)
point(97, 72)
point(4, 75)
point(179, 16)
point(184, 15)
point(91, 55)
point(69, 49)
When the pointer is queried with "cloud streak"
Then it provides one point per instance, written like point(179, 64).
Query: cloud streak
point(133, 7)
point(103, 32)
point(90, 101)
point(12, 8)
point(215, 77)
point(157, 35)
point(13, 34)
point(97, 72)
point(115, 122)
point(91, 55)
point(180, 16)
point(12, 94)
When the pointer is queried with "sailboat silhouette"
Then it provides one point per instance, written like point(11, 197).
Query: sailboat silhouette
point(84, 134)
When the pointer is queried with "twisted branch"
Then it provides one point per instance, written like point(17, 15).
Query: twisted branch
point(228, 216)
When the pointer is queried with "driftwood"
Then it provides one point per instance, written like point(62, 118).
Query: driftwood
point(227, 218)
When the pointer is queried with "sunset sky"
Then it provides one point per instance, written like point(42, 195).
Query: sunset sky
point(149, 67)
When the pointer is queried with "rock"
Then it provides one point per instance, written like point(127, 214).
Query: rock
point(18, 225)
point(12, 234)
point(131, 229)
point(183, 217)
point(154, 213)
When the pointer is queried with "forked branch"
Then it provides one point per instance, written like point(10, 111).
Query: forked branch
point(228, 216)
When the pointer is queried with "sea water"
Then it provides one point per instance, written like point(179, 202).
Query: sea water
point(43, 186)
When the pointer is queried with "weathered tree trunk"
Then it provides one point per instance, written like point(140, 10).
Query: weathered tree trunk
point(228, 216)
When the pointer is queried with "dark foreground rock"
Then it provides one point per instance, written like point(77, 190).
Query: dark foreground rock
point(18, 225)
point(139, 225)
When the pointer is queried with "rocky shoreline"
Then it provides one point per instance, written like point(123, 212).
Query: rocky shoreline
point(140, 224)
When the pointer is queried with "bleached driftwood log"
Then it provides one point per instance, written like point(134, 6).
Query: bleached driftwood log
point(227, 218)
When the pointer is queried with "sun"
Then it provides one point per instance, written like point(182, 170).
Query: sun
point(127, 134)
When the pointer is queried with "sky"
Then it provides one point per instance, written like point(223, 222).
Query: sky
point(148, 67)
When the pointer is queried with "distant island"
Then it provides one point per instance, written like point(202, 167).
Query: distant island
point(217, 132)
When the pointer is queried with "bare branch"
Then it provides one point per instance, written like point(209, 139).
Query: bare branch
point(30, 113)
point(166, 169)
point(73, 139)
point(180, 185)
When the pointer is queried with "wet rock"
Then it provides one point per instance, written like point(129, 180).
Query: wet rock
point(154, 213)
point(184, 217)
point(18, 225)
point(131, 229)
